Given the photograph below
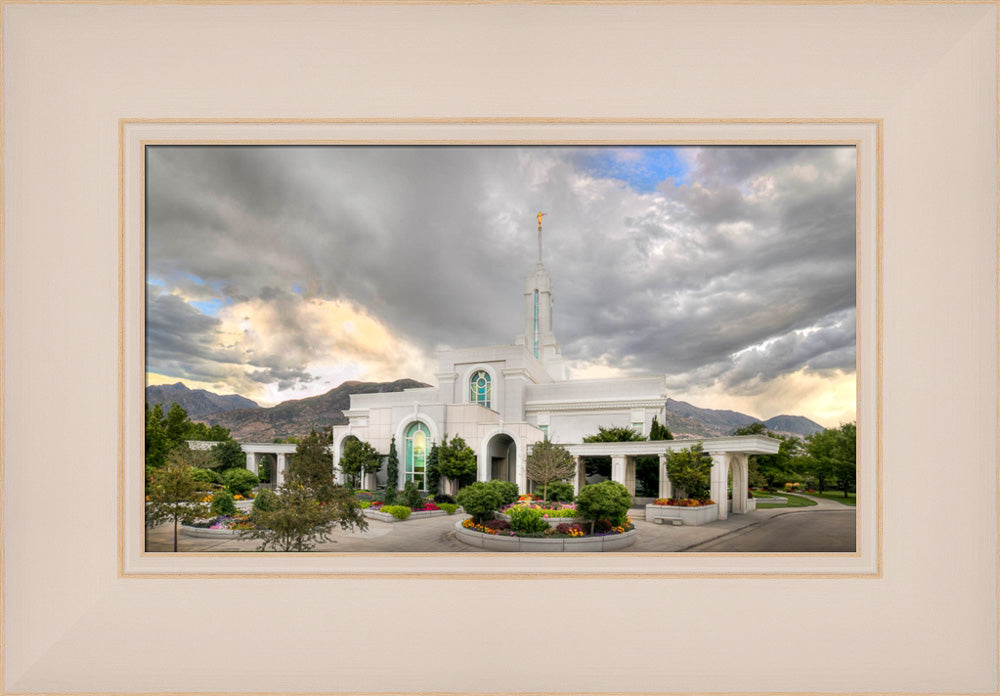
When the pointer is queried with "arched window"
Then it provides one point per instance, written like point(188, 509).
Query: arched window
point(417, 447)
point(480, 389)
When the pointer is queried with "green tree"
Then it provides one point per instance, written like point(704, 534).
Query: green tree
point(773, 470)
point(831, 454)
point(457, 461)
point(606, 500)
point(175, 495)
point(158, 445)
point(433, 471)
point(297, 521)
point(657, 431)
point(549, 462)
point(614, 433)
point(312, 466)
point(690, 469)
point(391, 474)
point(228, 455)
point(359, 458)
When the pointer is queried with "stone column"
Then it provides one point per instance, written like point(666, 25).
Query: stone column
point(618, 468)
point(577, 475)
point(279, 470)
point(666, 488)
point(741, 473)
point(719, 476)
point(630, 475)
point(252, 462)
point(483, 464)
point(522, 471)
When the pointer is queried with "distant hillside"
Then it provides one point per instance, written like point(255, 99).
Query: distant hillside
point(686, 420)
point(248, 422)
point(299, 416)
point(197, 402)
point(798, 425)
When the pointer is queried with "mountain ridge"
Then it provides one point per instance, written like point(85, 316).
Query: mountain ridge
point(297, 417)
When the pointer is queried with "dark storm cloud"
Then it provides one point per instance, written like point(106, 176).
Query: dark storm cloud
point(755, 247)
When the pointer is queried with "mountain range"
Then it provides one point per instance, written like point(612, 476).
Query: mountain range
point(249, 422)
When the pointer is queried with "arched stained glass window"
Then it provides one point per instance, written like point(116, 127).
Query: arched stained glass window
point(417, 448)
point(480, 389)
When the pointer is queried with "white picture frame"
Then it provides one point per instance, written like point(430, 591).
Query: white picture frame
point(76, 73)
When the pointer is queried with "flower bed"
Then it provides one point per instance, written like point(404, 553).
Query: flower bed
point(221, 526)
point(429, 510)
point(492, 536)
point(686, 511)
point(553, 513)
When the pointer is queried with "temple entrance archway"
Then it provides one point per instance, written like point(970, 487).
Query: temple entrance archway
point(501, 452)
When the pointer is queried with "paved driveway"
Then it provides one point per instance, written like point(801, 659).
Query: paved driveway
point(828, 526)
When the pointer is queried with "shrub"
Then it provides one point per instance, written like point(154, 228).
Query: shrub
point(265, 500)
point(605, 500)
point(525, 520)
point(400, 512)
point(450, 508)
point(506, 489)
point(560, 492)
point(480, 499)
point(411, 496)
point(222, 503)
point(390, 496)
point(205, 476)
point(497, 525)
point(239, 481)
point(443, 498)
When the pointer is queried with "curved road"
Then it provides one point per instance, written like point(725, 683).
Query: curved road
point(805, 529)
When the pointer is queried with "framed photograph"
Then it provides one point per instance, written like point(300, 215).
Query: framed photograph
point(306, 217)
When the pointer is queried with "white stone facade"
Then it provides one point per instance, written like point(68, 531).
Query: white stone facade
point(527, 395)
point(503, 399)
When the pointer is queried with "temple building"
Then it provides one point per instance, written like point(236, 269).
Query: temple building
point(502, 399)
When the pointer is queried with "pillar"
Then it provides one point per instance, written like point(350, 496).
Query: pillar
point(666, 488)
point(577, 475)
point(252, 462)
point(630, 475)
point(483, 464)
point(618, 468)
point(719, 476)
point(741, 473)
point(279, 470)
point(522, 472)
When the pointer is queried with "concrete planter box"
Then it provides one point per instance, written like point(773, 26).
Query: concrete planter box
point(553, 521)
point(418, 515)
point(693, 516)
point(492, 542)
point(206, 533)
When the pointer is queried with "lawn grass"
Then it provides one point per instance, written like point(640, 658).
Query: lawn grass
point(793, 501)
point(837, 497)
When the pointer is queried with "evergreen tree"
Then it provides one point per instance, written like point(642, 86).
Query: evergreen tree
point(433, 473)
point(657, 431)
point(392, 474)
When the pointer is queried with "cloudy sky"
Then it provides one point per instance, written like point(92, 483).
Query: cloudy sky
point(280, 272)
